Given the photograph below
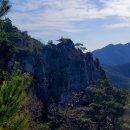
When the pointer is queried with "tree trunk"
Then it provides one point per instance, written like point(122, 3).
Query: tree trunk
point(98, 126)
point(114, 123)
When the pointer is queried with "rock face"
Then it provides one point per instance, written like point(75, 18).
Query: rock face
point(58, 70)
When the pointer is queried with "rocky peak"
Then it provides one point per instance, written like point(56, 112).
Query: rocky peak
point(59, 70)
point(65, 44)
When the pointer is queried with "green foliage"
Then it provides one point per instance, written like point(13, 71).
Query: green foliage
point(101, 106)
point(40, 126)
point(19, 40)
point(62, 40)
point(4, 7)
point(106, 104)
point(50, 42)
point(3, 34)
point(13, 116)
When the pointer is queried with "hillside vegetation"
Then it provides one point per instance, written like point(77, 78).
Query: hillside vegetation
point(94, 107)
point(69, 89)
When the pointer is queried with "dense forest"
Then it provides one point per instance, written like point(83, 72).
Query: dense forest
point(92, 102)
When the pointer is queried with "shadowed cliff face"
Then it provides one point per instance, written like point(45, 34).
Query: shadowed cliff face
point(58, 70)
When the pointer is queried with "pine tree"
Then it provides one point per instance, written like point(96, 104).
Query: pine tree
point(13, 114)
point(4, 7)
point(106, 104)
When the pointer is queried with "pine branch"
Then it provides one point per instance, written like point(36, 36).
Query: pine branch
point(4, 7)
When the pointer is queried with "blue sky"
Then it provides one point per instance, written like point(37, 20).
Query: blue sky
point(95, 23)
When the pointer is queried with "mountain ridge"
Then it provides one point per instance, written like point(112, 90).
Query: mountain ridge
point(115, 60)
point(57, 70)
point(114, 54)
point(116, 76)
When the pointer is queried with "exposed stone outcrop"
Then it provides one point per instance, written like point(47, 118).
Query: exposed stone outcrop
point(58, 70)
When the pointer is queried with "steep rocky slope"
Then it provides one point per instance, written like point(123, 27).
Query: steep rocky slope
point(57, 70)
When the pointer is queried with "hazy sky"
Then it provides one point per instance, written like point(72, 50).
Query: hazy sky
point(94, 23)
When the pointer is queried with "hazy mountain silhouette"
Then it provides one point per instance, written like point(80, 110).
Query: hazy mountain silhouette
point(114, 54)
point(118, 75)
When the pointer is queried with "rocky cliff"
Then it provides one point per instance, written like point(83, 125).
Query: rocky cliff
point(59, 70)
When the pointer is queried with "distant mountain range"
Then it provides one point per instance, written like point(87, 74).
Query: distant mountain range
point(114, 54)
point(115, 60)
point(118, 75)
